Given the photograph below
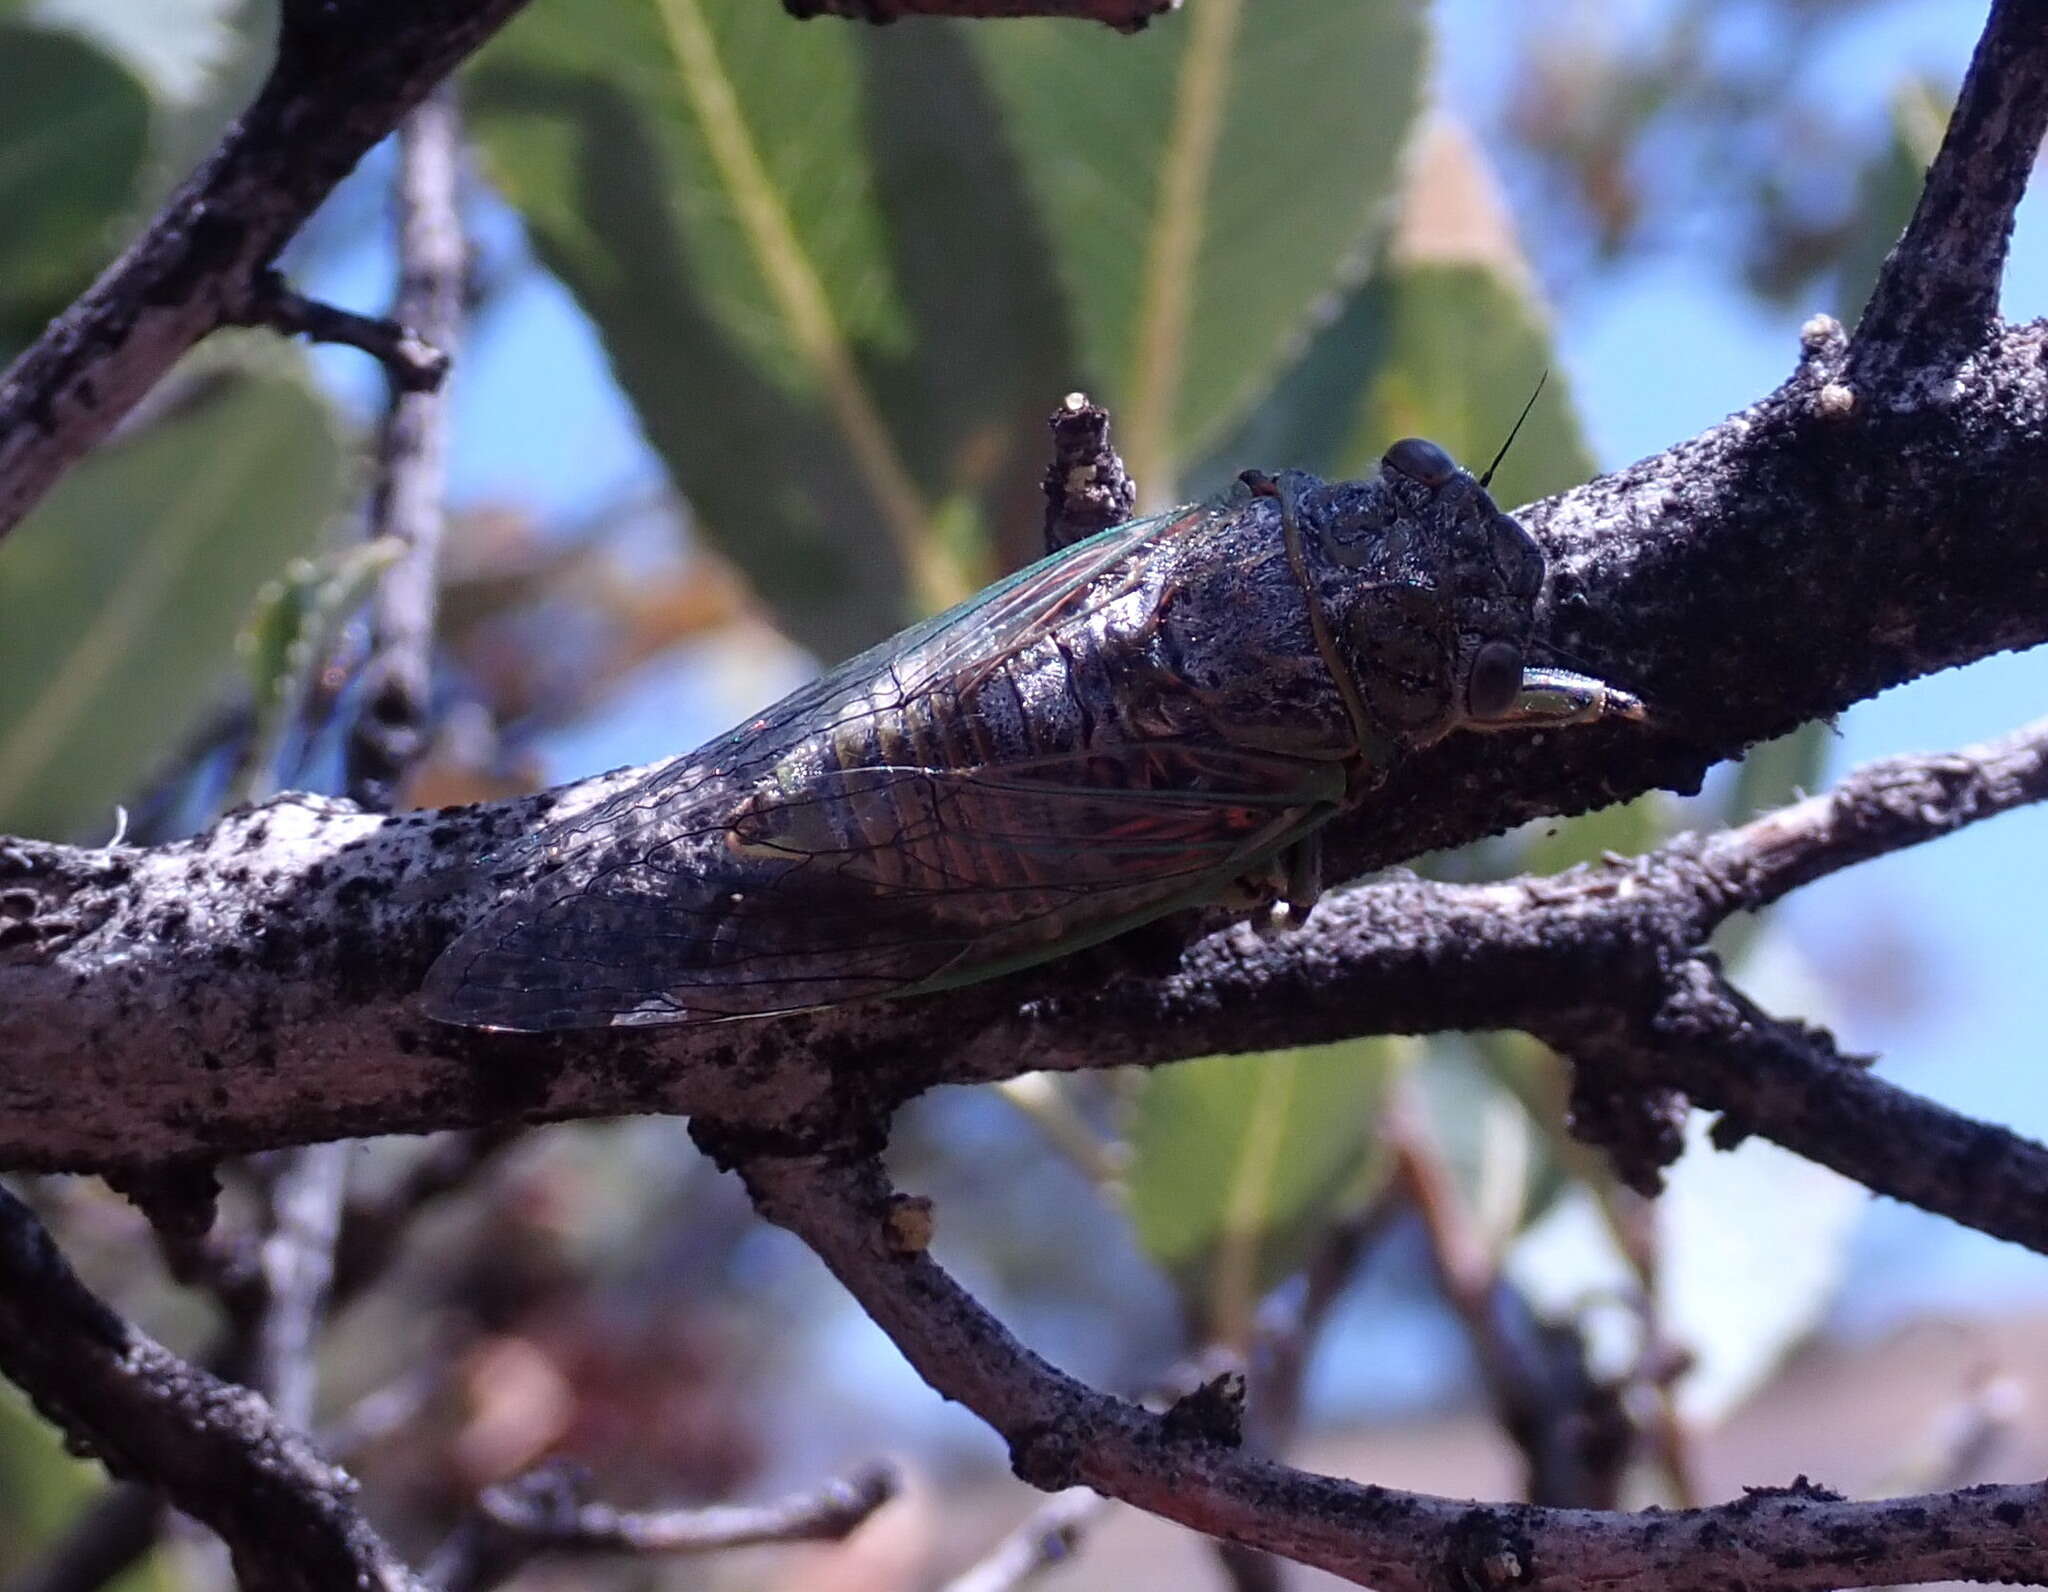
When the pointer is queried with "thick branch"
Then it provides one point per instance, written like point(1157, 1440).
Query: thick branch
point(215, 1450)
point(346, 71)
point(254, 987)
point(287, 944)
point(1062, 1433)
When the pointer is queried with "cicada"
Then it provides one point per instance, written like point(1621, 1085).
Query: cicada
point(1159, 716)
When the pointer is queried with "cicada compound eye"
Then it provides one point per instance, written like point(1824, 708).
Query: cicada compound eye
point(1420, 460)
point(1495, 681)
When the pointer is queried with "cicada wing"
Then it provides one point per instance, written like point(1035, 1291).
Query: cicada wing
point(872, 882)
point(654, 854)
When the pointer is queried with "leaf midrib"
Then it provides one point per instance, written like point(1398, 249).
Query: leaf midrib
point(799, 296)
point(1173, 246)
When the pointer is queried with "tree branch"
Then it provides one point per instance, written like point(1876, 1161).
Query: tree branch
point(410, 359)
point(286, 944)
point(1787, 1082)
point(1045, 1540)
point(346, 71)
point(1062, 1433)
point(215, 1450)
point(1936, 297)
point(544, 1513)
point(409, 503)
point(253, 987)
point(1086, 487)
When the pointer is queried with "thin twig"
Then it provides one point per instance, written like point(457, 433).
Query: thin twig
point(1574, 1435)
point(411, 361)
point(409, 502)
point(1046, 1539)
point(216, 1451)
point(122, 1524)
point(1291, 1321)
point(1786, 1081)
point(544, 1512)
point(296, 1261)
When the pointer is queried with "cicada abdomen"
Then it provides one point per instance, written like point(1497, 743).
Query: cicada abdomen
point(1127, 726)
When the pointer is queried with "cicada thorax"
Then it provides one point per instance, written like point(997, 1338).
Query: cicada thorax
point(1426, 593)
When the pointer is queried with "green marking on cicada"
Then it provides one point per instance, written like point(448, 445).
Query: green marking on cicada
point(1161, 715)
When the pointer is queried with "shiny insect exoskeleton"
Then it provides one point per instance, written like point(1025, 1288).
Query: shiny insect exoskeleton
point(1139, 722)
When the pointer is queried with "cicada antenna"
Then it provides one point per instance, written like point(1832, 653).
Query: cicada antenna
point(1515, 430)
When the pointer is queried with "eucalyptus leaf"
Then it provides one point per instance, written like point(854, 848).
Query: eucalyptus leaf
point(1206, 184)
point(74, 137)
point(123, 592)
point(1446, 338)
point(834, 325)
point(1236, 1160)
point(175, 46)
point(290, 632)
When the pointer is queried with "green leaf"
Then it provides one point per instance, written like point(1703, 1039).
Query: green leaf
point(1206, 184)
point(74, 133)
point(1446, 339)
point(289, 634)
point(989, 353)
point(1466, 348)
point(43, 1492)
point(814, 273)
point(1235, 1160)
point(122, 594)
point(175, 46)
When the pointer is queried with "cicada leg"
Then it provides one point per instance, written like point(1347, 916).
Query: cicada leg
point(1280, 894)
point(1560, 697)
point(1304, 863)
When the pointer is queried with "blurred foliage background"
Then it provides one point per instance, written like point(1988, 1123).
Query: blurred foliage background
point(835, 278)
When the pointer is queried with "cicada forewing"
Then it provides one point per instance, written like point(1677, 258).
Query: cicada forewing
point(755, 877)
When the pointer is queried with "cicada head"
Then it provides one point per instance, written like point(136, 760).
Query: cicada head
point(1427, 592)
